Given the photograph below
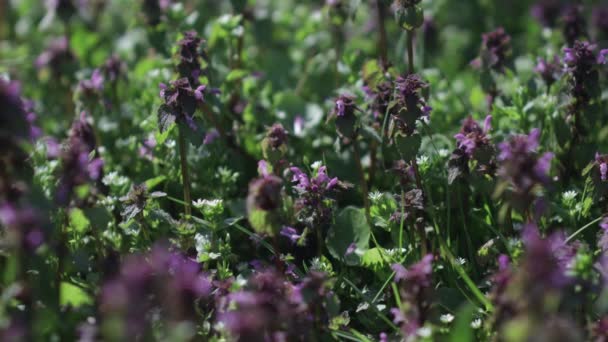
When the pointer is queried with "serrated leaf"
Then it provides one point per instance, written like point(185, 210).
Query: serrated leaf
point(166, 118)
point(74, 295)
point(373, 260)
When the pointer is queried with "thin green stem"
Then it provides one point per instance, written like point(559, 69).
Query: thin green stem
point(410, 50)
point(183, 156)
point(583, 228)
point(382, 45)
point(363, 181)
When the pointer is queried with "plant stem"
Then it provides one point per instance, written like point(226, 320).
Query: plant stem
point(382, 45)
point(410, 50)
point(363, 181)
point(183, 155)
point(373, 163)
point(583, 228)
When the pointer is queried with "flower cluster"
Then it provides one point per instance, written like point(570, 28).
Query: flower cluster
point(189, 54)
point(58, 57)
point(495, 51)
point(314, 205)
point(344, 112)
point(379, 96)
point(78, 168)
point(273, 309)
point(414, 289)
point(523, 168)
point(549, 71)
point(274, 145)
point(581, 65)
point(264, 202)
point(531, 289)
point(181, 101)
point(409, 105)
point(23, 222)
point(473, 143)
point(161, 279)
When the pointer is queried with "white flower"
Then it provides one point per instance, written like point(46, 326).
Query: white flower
point(569, 195)
point(422, 160)
point(424, 332)
point(113, 178)
point(447, 318)
point(316, 165)
point(444, 152)
point(476, 324)
point(375, 196)
point(211, 204)
point(461, 260)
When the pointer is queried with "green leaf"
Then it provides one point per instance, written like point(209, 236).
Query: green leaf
point(264, 222)
point(153, 182)
point(236, 74)
point(74, 295)
point(78, 220)
point(408, 146)
point(372, 259)
point(350, 227)
point(462, 330)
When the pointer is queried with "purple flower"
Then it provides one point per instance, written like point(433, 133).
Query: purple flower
point(352, 248)
point(180, 103)
point(82, 132)
point(546, 260)
point(414, 288)
point(604, 223)
point(114, 68)
point(147, 148)
point(472, 136)
point(276, 136)
point(77, 168)
point(345, 106)
point(291, 233)
point(94, 85)
point(163, 280)
point(549, 71)
point(417, 275)
point(57, 57)
point(495, 50)
point(265, 193)
point(521, 165)
point(408, 106)
point(25, 221)
point(313, 202)
point(189, 54)
point(380, 97)
point(211, 136)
